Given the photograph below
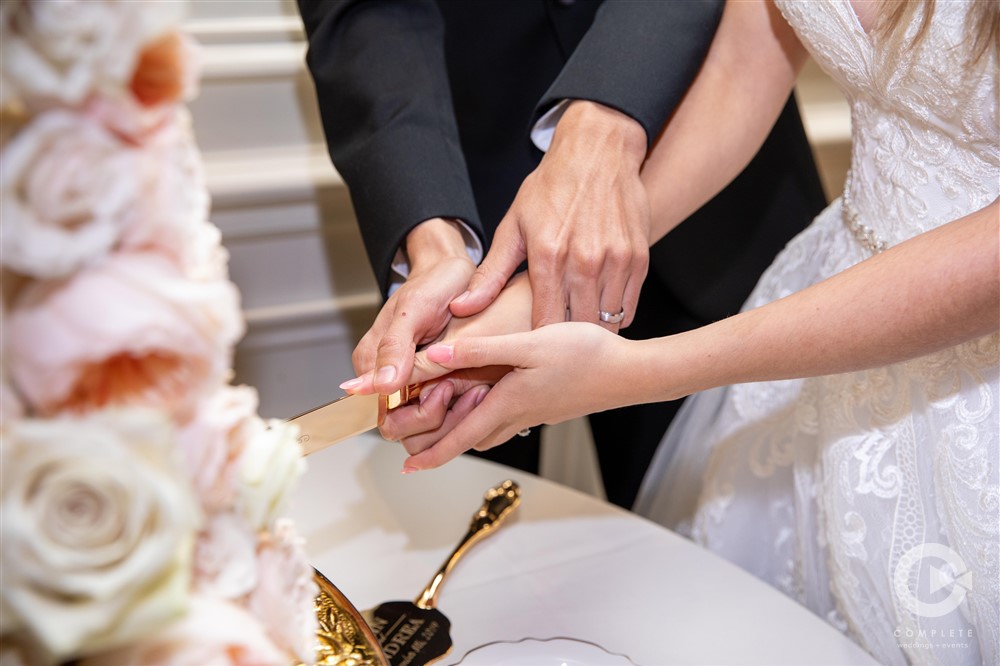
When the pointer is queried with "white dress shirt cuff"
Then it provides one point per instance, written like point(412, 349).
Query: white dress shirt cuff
point(541, 133)
point(401, 262)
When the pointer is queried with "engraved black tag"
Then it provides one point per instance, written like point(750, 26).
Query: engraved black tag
point(409, 635)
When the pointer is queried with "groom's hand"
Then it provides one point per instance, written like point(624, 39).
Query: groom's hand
point(446, 400)
point(581, 219)
point(417, 312)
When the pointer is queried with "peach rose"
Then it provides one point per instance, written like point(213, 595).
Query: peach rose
point(97, 522)
point(129, 331)
point(167, 70)
point(60, 52)
point(284, 598)
point(213, 633)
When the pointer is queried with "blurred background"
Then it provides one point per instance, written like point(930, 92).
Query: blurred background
point(286, 218)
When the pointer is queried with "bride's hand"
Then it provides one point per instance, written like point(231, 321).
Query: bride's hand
point(448, 396)
point(557, 372)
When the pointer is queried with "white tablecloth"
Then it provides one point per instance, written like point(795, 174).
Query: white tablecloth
point(564, 565)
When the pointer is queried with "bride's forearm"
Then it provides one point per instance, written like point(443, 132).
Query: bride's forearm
point(931, 292)
point(726, 115)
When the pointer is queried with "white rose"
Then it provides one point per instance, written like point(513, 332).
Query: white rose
point(98, 521)
point(60, 51)
point(271, 464)
point(213, 633)
point(130, 331)
point(71, 190)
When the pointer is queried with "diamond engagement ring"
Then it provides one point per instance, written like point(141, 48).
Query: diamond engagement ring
point(612, 318)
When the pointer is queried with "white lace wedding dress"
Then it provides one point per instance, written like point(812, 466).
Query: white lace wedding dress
point(824, 487)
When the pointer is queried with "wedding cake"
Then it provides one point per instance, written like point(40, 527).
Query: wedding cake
point(142, 495)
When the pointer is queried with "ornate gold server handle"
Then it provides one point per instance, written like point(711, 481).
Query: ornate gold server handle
point(498, 502)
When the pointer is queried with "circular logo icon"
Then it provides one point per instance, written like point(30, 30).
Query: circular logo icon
point(919, 587)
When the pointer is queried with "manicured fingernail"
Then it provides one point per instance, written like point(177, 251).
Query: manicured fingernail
point(385, 374)
point(440, 353)
point(351, 384)
point(426, 391)
point(409, 470)
point(483, 390)
point(460, 298)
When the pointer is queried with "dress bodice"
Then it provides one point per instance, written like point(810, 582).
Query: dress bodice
point(925, 138)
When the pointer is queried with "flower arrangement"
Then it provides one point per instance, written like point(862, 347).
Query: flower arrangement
point(142, 495)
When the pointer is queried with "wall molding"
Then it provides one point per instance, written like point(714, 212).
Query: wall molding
point(214, 30)
point(243, 178)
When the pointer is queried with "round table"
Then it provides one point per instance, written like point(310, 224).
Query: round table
point(564, 565)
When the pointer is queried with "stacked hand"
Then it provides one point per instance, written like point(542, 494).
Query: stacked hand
point(543, 381)
point(581, 219)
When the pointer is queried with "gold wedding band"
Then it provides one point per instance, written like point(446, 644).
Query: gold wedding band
point(611, 318)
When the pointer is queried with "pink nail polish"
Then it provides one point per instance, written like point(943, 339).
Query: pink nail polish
point(482, 394)
point(351, 384)
point(440, 353)
point(409, 470)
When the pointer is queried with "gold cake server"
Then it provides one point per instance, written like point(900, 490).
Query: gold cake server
point(415, 633)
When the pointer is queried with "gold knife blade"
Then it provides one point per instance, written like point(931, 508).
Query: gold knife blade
point(347, 417)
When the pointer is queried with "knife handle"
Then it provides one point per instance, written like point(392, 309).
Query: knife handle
point(397, 399)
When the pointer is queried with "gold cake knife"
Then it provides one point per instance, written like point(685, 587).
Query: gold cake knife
point(346, 417)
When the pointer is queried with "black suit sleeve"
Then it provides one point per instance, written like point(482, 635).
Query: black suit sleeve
point(639, 57)
point(384, 99)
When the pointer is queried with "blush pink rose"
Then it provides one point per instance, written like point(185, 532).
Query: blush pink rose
point(213, 633)
point(283, 600)
point(130, 331)
point(68, 189)
point(213, 442)
point(74, 187)
point(225, 558)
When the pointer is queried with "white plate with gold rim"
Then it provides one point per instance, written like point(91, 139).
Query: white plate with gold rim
point(543, 652)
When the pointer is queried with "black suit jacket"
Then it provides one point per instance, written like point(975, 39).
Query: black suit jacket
point(427, 107)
